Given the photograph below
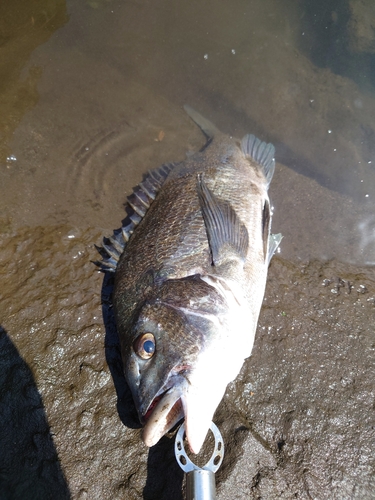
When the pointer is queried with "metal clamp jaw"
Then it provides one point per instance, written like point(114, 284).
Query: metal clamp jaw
point(200, 482)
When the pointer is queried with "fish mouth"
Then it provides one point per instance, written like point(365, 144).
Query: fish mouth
point(188, 394)
point(164, 412)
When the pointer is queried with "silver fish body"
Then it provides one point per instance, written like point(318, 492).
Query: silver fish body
point(190, 274)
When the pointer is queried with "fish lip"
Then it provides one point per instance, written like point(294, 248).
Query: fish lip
point(175, 377)
point(144, 418)
point(164, 412)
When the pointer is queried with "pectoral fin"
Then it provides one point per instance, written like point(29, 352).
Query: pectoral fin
point(224, 228)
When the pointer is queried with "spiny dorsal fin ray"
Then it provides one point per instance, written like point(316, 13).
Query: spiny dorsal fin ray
point(261, 152)
point(222, 225)
point(137, 205)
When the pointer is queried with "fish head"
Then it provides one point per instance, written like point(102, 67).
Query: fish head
point(176, 363)
point(157, 364)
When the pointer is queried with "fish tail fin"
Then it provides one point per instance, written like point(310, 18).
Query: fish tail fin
point(205, 125)
point(261, 152)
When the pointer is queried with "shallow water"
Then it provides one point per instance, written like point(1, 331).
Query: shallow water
point(91, 97)
point(93, 100)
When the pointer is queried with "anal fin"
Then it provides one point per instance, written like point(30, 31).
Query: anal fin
point(261, 152)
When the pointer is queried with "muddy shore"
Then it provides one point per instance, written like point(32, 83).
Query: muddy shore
point(91, 98)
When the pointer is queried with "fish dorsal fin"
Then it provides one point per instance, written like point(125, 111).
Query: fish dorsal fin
point(137, 205)
point(273, 244)
point(222, 225)
point(205, 125)
point(262, 152)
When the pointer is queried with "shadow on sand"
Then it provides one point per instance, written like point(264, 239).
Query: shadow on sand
point(29, 465)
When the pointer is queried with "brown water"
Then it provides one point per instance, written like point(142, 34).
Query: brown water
point(91, 96)
point(82, 113)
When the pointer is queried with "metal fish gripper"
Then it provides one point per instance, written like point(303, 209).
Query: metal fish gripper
point(200, 482)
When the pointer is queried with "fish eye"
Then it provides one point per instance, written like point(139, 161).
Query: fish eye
point(144, 346)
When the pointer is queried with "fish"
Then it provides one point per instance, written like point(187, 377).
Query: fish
point(190, 263)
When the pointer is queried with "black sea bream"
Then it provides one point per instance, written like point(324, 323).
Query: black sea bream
point(190, 273)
